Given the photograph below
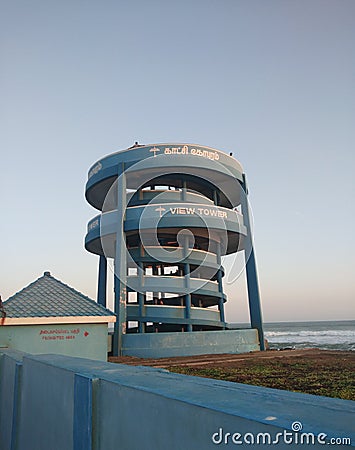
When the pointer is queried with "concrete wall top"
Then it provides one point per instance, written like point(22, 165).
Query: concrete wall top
point(267, 406)
point(65, 403)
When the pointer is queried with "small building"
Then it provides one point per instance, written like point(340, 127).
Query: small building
point(49, 316)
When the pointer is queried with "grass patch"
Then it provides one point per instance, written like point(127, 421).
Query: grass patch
point(309, 377)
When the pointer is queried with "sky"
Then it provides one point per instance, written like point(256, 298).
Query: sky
point(270, 80)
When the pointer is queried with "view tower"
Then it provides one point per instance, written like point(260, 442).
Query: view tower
point(168, 214)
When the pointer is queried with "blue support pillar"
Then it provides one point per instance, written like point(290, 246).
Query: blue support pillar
point(186, 266)
point(216, 197)
point(102, 283)
point(220, 284)
point(120, 265)
point(254, 298)
point(141, 324)
point(155, 296)
point(187, 298)
point(184, 191)
point(187, 284)
point(251, 272)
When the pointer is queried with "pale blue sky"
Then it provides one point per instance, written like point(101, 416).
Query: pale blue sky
point(271, 81)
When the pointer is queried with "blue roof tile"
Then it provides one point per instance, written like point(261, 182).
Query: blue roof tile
point(49, 297)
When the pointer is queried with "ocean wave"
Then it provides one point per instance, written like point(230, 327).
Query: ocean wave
point(322, 339)
point(322, 346)
point(303, 333)
point(337, 335)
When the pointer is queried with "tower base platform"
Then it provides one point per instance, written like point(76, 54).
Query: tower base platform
point(162, 345)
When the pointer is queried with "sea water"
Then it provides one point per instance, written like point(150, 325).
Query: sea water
point(330, 335)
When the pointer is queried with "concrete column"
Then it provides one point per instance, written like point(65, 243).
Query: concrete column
point(220, 284)
point(102, 283)
point(120, 265)
point(155, 294)
point(183, 191)
point(215, 197)
point(187, 284)
point(141, 325)
point(251, 272)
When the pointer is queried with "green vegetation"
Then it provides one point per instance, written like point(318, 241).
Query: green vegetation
point(311, 377)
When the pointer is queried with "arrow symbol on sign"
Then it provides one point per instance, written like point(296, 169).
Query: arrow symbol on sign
point(155, 150)
point(160, 209)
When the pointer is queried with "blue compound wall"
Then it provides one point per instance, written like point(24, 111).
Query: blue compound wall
point(64, 403)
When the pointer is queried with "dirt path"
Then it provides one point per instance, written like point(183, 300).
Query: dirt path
point(235, 360)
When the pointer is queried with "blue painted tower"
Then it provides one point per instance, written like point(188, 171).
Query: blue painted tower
point(168, 213)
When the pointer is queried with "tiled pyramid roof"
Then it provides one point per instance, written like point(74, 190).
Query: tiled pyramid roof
point(49, 297)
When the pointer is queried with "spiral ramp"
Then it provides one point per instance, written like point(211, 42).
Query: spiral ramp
point(168, 213)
